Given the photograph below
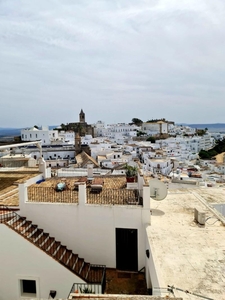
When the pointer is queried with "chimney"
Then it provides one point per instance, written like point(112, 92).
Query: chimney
point(90, 170)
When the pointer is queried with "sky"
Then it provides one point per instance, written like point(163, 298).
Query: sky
point(117, 60)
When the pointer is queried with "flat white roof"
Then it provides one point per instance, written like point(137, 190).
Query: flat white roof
point(187, 255)
point(64, 172)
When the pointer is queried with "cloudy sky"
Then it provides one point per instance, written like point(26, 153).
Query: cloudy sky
point(115, 59)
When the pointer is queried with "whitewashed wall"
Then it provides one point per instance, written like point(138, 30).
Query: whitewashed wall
point(153, 276)
point(89, 230)
point(20, 259)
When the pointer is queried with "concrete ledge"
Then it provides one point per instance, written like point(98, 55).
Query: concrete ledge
point(118, 297)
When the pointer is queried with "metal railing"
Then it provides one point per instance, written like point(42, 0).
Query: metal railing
point(96, 279)
point(7, 214)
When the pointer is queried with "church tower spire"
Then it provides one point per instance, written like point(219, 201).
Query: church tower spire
point(82, 116)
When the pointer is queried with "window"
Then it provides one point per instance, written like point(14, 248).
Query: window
point(28, 287)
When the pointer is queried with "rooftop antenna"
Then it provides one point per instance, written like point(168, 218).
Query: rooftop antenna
point(158, 189)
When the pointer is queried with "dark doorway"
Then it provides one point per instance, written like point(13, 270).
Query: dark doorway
point(127, 249)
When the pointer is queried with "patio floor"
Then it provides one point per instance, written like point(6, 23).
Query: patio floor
point(120, 282)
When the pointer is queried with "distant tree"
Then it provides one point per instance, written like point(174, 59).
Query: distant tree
point(204, 154)
point(212, 152)
point(137, 121)
point(219, 148)
point(64, 127)
point(156, 120)
point(151, 139)
point(200, 132)
point(141, 133)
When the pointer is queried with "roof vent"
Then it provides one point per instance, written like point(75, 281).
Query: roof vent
point(199, 217)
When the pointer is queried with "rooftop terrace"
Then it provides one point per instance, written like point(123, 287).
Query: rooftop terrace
point(191, 256)
point(9, 181)
point(112, 192)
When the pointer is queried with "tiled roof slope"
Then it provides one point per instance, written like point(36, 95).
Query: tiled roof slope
point(83, 159)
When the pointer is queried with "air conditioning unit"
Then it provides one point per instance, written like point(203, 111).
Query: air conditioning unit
point(199, 217)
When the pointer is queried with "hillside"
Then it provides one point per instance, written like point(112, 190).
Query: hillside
point(9, 132)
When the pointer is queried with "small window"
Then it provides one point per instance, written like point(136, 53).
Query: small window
point(28, 288)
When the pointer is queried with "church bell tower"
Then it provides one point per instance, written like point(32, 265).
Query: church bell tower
point(77, 143)
point(82, 116)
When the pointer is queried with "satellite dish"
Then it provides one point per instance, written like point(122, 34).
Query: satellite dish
point(158, 189)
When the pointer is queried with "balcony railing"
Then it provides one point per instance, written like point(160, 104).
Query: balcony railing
point(97, 282)
point(6, 214)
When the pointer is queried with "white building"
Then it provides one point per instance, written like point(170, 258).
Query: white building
point(159, 165)
point(193, 144)
point(44, 134)
point(116, 132)
point(174, 129)
point(154, 128)
point(47, 253)
point(47, 136)
point(66, 137)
